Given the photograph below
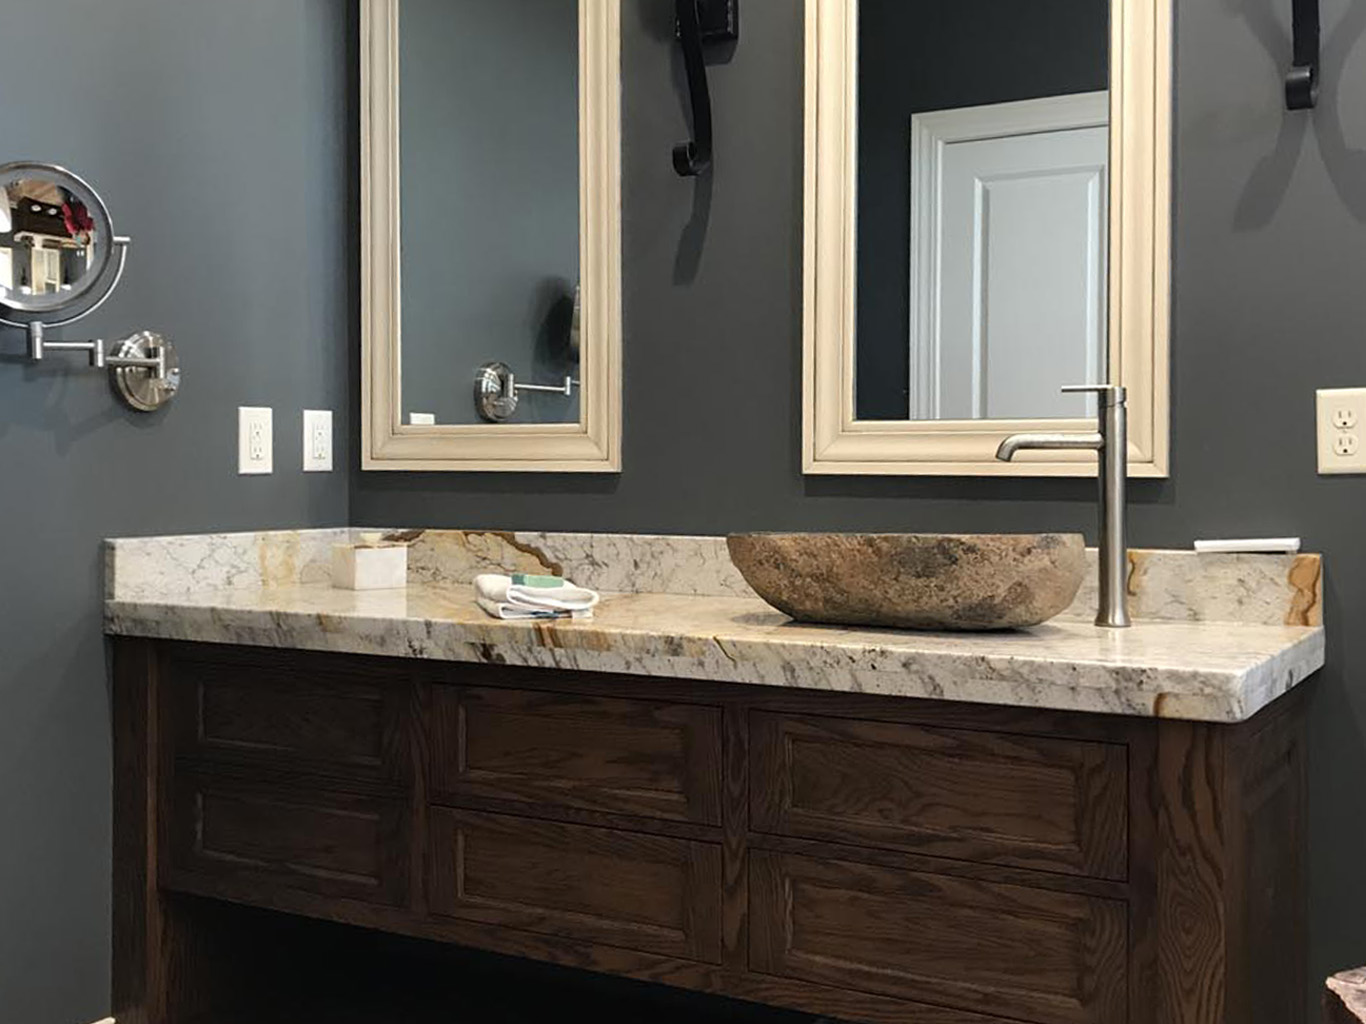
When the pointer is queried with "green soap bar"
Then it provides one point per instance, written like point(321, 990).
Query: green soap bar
point(521, 579)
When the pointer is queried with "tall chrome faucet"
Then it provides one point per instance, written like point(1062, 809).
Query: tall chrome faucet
point(1111, 443)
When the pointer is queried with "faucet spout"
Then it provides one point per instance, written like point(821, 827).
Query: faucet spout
point(1048, 442)
point(1111, 443)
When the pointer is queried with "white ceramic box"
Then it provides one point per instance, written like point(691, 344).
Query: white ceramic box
point(370, 567)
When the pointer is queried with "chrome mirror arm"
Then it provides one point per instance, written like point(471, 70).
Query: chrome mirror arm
point(143, 367)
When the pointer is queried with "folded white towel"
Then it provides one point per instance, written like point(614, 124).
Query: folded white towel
point(503, 599)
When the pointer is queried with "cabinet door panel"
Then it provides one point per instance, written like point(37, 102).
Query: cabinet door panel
point(1025, 954)
point(646, 893)
point(1026, 801)
point(646, 758)
point(313, 717)
point(252, 838)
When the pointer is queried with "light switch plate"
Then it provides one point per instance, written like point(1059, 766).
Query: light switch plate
point(1341, 428)
point(255, 441)
point(317, 441)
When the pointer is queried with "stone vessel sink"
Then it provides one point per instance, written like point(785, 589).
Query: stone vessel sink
point(914, 580)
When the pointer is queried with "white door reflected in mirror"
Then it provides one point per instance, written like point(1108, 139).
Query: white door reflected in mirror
point(1008, 258)
point(989, 296)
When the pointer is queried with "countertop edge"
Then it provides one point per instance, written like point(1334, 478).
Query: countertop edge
point(1230, 696)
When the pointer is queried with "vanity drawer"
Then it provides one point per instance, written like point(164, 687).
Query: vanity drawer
point(644, 758)
point(647, 893)
point(318, 718)
point(968, 944)
point(1027, 801)
point(249, 838)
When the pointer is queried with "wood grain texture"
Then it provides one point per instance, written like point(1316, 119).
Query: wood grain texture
point(1230, 859)
point(636, 891)
point(137, 982)
point(867, 858)
point(961, 943)
point(1266, 797)
point(1144, 975)
point(253, 709)
point(898, 860)
point(268, 833)
point(634, 757)
point(1191, 876)
point(166, 965)
point(735, 847)
point(974, 795)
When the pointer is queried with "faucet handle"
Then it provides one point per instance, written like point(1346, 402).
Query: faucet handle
point(1114, 394)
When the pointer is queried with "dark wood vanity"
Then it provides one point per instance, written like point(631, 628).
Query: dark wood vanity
point(867, 858)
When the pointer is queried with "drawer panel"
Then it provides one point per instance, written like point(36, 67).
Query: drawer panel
point(260, 715)
point(1056, 805)
point(253, 838)
point(639, 892)
point(635, 757)
point(1025, 954)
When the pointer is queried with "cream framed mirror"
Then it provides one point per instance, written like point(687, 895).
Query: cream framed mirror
point(496, 221)
point(1128, 321)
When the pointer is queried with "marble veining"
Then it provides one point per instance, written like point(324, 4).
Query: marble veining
point(1185, 586)
point(1217, 637)
point(1176, 670)
point(620, 563)
point(1174, 586)
point(161, 566)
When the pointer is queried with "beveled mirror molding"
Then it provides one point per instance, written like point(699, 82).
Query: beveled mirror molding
point(593, 445)
point(834, 442)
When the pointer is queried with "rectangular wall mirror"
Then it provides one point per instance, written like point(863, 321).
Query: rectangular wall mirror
point(491, 266)
point(987, 220)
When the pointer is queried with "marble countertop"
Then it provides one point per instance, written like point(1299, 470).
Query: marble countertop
point(1197, 670)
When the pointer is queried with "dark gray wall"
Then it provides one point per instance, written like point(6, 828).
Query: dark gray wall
point(490, 169)
point(915, 58)
point(217, 133)
point(228, 103)
point(1270, 242)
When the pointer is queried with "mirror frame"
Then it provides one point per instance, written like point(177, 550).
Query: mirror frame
point(834, 442)
point(593, 445)
point(62, 302)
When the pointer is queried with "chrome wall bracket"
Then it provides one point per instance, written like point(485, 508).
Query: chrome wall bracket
point(143, 368)
point(497, 392)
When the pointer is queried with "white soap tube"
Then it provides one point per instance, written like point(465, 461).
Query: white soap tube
point(1265, 546)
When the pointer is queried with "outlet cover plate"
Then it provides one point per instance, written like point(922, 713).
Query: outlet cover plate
point(317, 441)
point(255, 441)
point(1341, 430)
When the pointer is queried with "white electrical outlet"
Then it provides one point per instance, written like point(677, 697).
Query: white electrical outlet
point(1342, 421)
point(317, 441)
point(255, 441)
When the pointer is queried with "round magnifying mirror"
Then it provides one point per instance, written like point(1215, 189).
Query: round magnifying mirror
point(56, 238)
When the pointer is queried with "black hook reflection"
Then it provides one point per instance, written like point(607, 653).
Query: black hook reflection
point(1270, 180)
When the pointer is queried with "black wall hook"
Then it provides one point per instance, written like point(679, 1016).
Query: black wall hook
point(700, 22)
point(1302, 83)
